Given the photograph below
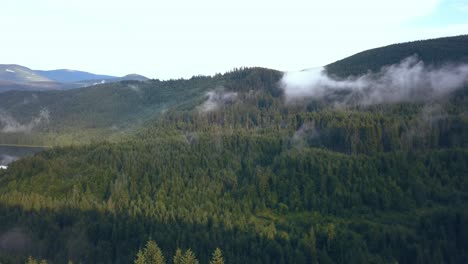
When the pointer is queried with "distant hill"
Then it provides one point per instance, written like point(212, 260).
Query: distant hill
point(69, 76)
point(20, 78)
point(133, 77)
point(20, 74)
point(432, 52)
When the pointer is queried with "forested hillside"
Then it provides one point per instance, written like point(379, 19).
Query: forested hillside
point(94, 113)
point(231, 164)
point(433, 52)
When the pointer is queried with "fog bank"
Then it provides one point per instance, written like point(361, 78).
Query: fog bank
point(409, 80)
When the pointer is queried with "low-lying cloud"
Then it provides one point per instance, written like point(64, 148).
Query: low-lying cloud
point(134, 87)
point(216, 99)
point(409, 80)
point(9, 124)
point(306, 131)
point(7, 159)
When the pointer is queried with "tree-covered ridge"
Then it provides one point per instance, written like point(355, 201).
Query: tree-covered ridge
point(236, 166)
point(108, 110)
point(431, 52)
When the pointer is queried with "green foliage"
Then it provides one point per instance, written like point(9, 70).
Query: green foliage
point(185, 258)
point(151, 254)
point(267, 196)
point(179, 257)
point(140, 258)
point(217, 257)
point(189, 257)
point(31, 260)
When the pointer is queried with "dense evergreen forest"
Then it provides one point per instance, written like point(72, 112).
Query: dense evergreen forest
point(231, 167)
point(93, 114)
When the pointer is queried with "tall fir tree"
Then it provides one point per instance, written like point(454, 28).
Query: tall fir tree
point(178, 257)
point(189, 257)
point(140, 259)
point(217, 257)
point(153, 253)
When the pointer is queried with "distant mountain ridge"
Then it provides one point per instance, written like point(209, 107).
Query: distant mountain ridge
point(67, 76)
point(17, 77)
point(20, 74)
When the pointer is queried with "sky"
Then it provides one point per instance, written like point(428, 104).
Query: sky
point(174, 39)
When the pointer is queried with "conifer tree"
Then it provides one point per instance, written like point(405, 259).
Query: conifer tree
point(140, 259)
point(153, 253)
point(189, 257)
point(178, 257)
point(217, 257)
point(31, 260)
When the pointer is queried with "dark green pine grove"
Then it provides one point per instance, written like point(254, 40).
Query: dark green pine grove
point(255, 180)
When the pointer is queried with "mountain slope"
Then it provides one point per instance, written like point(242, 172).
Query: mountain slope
point(20, 74)
point(81, 114)
point(16, 77)
point(431, 52)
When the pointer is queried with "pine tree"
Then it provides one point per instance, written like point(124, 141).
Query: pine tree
point(189, 257)
point(31, 260)
point(217, 257)
point(153, 253)
point(140, 259)
point(178, 258)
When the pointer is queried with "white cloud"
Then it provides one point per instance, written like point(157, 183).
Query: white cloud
point(410, 80)
point(216, 99)
point(9, 124)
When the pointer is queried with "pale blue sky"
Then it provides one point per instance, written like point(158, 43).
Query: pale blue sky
point(172, 39)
